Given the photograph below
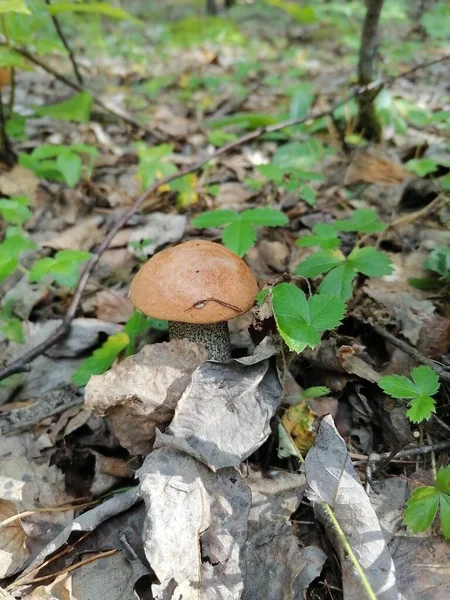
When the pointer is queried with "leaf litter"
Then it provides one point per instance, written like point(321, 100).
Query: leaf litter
point(215, 525)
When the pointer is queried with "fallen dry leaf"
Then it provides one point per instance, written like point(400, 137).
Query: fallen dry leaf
point(142, 391)
point(82, 236)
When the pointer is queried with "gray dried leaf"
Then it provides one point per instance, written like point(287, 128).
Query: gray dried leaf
point(88, 521)
point(195, 528)
point(332, 478)
point(142, 391)
point(275, 563)
point(224, 415)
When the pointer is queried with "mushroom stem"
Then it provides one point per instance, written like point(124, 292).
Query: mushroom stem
point(214, 336)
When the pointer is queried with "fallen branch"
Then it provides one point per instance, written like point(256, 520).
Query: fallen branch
point(413, 353)
point(79, 88)
point(65, 43)
point(22, 365)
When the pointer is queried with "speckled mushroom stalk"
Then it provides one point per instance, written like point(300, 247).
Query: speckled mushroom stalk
point(198, 287)
point(214, 336)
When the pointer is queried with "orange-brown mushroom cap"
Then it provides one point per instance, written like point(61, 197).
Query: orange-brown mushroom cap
point(194, 282)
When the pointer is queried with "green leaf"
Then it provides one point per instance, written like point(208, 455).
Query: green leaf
point(443, 479)
point(426, 380)
point(15, 6)
point(364, 220)
point(316, 392)
point(70, 165)
point(422, 166)
point(268, 217)
point(301, 102)
point(421, 408)
point(136, 325)
point(398, 386)
point(272, 172)
point(15, 210)
point(101, 359)
point(370, 262)
point(159, 324)
point(318, 263)
point(7, 266)
point(77, 108)
point(299, 320)
point(326, 311)
point(13, 330)
point(339, 282)
point(439, 261)
point(239, 237)
point(40, 269)
point(77, 256)
point(215, 218)
point(437, 20)
point(323, 236)
point(97, 8)
point(261, 296)
point(444, 507)
point(421, 508)
point(153, 162)
point(308, 195)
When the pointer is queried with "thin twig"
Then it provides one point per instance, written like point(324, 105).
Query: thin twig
point(65, 43)
point(22, 364)
point(79, 88)
point(413, 353)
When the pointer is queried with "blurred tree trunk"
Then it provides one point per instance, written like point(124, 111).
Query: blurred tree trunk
point(367, 121)
point(229, 3)
point(211, 8)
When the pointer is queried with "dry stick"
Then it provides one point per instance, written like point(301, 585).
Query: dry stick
point(65, 43)
point(22, 364)
point(80, 88)
point(413, 353)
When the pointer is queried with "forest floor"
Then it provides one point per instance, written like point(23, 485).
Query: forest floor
point(177, 91)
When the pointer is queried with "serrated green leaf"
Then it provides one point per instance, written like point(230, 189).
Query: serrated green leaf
point(398, 386)
point(40, 269)
point(325, 311)
point(264, 217)
point(70, 165)
point(272, 172)
point(318, 263)
point(308, 195)
point(215, 218)
point(422, 166)
point(77, 108)
point(323, 235)
point(426, 380)
point(421, 408)
point(261, 296)
point(421, 508)
point(443, 479)
point(444, 509)
point(239, 237)
point(370, 262)
point(101, 359)
point(339, 282)
point(315, 392)
point(15, 210)
point(366, 220)
point(291, 314)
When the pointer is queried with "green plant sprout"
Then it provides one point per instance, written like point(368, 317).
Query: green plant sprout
point(124, 342)
point(60, 163)
point(340, 270)
point(239, 233)
point(425, 502)
point(418, 391)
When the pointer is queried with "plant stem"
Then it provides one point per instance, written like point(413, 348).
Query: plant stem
point(366, 585)
point(65, 43)
point(13, 71)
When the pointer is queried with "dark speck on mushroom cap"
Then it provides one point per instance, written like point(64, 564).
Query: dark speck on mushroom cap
point(194, 282)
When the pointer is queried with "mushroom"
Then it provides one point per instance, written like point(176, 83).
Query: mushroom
point(197, 286)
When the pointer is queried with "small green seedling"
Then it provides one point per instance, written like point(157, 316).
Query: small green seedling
point(15, 210)
point(60, 163)
point(341, 271)
point(63, 268)
point(292, 180)
point(121, 343)
point(424, 503)
point(11, 249)
point(302, 321)
point(11, 326)
point(239, 233)
point(418, 391)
